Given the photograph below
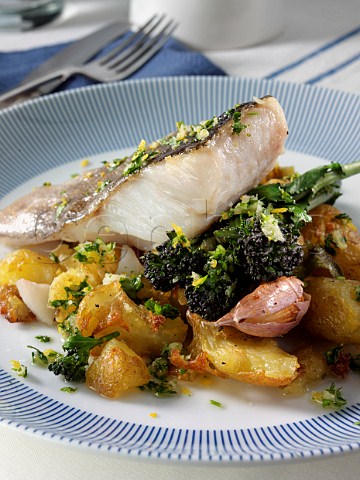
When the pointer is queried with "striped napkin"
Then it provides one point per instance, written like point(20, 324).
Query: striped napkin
point(172, 59)
point(323, 55)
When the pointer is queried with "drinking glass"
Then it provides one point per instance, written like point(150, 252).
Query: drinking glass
point(28, 14)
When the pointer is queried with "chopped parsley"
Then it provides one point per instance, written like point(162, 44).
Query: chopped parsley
point(43, 338)
point(235, 115)
point(237, 127)
point(95, 252)
point(19, 368)
point(68, 389)
point(60, 206)
point(159, 369)
point(54, 257)
point(330, 397)
point(102, 185)
point(38, 357)
point(166, 309)
point(216, 403)
point(114, 163)
point(74, 295)
point(159, 389)
point(131, 286)
point(330, 245)
point(139, 159)
point(179, 237)
point(344, 216)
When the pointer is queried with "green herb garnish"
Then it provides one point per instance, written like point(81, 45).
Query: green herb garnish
point(68, 389)
point(330, 397)
point(74, 295)
point(95, 252)
point(43, 338)
point(38, 357)
point(73, 365)
point(131, 286)
point(19, 368)
point(165, 310)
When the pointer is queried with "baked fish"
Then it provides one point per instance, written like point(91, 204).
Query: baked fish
point(187, 178)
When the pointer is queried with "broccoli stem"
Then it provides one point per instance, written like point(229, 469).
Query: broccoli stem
point(72, 366)
point(310, 189)
point(321, 191)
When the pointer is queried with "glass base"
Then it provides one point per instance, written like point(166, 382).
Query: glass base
point(28, 14)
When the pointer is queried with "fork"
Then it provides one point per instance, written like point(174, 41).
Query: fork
point(122, 61)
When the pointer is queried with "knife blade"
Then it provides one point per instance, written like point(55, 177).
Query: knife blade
point(79, 51)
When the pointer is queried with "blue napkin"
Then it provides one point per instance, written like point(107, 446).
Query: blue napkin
point(172, 60)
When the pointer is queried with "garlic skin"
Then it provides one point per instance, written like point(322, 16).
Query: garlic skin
point(271, 310)
point(36, 298)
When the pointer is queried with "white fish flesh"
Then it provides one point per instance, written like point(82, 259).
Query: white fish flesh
point(188, 178)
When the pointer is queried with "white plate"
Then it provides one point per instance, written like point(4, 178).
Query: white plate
point(45, 141)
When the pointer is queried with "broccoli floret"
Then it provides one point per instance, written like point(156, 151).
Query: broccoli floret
point(72, 366)
point(209, 303)
point(249, 245)
point(173, 262)
point(215, 293)
point(264, 240)
point(259, 237)
point(264, 259)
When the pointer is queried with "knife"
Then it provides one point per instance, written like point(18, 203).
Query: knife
point(79, 51)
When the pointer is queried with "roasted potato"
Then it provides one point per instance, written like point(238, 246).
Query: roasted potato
point(334, 312)
point(228, 353)
point(117, 369)
point(29, 265)
point(313, 368)
point(94, 266)
point(336, 232)
point(12, 306)
point(107, 309)
point(64, 291)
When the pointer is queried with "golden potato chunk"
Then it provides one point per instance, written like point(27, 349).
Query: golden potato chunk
point(12, 306)
point(228, 353)
point(313, 368)
point(117, 369)
point(107, 308)
point(334, 312)
point(334, 231)
point(29, 265)
point(66, 292)
point(93, 265)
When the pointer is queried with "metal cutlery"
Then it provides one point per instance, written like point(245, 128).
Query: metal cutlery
point(78, 52)
point(123, 60)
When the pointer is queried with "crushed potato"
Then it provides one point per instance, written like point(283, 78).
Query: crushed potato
point(86, 293)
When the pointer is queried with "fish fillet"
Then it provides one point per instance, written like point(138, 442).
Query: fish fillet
point(187, 178)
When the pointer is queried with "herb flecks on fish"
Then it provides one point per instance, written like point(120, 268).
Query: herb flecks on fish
point(60, 206)
point(93, 198)
point(111, 166)
point(236, 115)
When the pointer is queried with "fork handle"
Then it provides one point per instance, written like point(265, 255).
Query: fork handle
point(30, 89)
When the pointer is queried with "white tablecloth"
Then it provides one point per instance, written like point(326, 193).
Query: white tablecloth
point(320, 46)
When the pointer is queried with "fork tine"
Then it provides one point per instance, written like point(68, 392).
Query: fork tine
point(135, 36)
point(139, 60)
point(139, 52)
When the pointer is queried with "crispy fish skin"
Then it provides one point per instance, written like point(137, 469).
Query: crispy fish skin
point(188, 181)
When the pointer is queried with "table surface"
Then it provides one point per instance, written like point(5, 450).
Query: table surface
point(320, 46)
